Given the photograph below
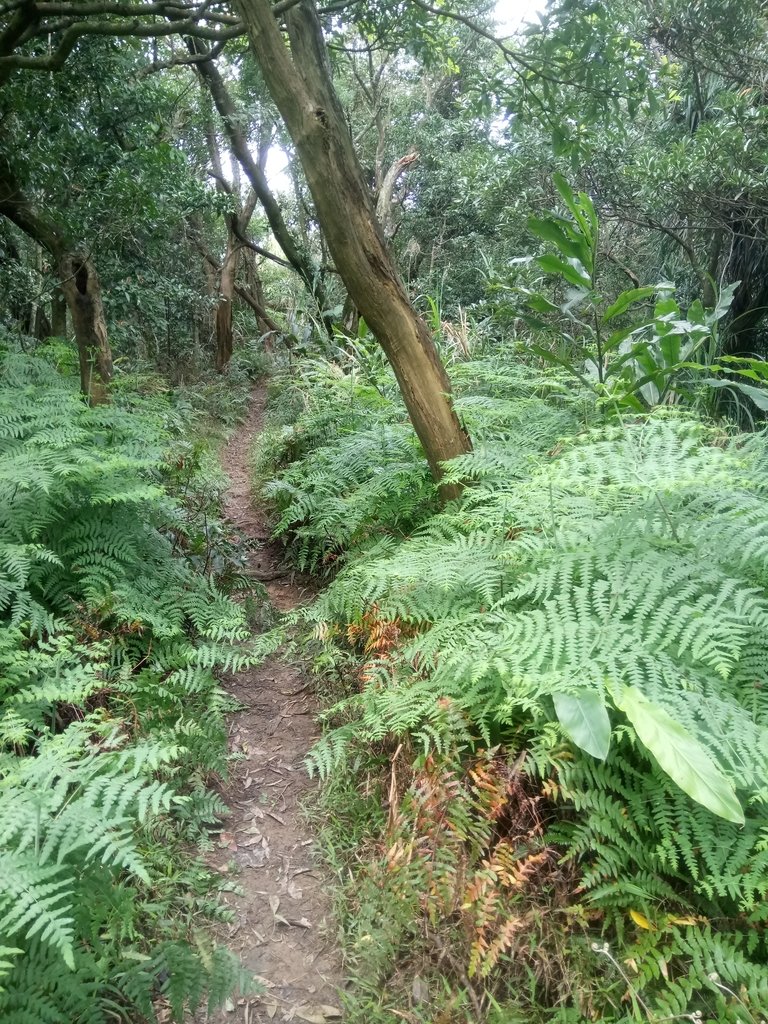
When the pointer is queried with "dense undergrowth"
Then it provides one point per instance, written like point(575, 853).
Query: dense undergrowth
point(115, 616)
point(546, 750)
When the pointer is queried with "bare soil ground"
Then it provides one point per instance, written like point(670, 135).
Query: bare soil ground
point(283, 929)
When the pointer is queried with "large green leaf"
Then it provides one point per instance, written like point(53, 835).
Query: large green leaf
point(551, 231)
point(724, 300)
point(627, 299)
point(758, 395)
point(541, 304)
point(584, 717)
point(681, 756)
point(552, 265)
point(565, 190)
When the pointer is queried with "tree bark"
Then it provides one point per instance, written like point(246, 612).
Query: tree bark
point(228, 269)
point(252, 293)
point(384, 199)
point(82, 290)
point(300, 84)
point(295, 252)
point(224, 340)
point(58, 314)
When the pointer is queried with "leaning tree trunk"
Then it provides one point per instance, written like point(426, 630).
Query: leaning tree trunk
point(224, 340)
point(300, 84)
point(82, 290)
point(295, 253)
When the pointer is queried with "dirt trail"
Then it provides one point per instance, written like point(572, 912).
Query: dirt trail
point(284, 930)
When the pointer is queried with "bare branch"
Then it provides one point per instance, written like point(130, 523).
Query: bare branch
point(182, 59)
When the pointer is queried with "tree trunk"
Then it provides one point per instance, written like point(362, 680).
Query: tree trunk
point(79, 283)
point(386, 193)
point(294, 251)
point(300, 85)
point(253, 294)
point(224, 342)
point(82, 290)
point(58, 314)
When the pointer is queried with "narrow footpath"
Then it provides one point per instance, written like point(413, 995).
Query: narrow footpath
point(283, 930)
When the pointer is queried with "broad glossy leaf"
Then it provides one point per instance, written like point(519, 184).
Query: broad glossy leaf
point(588, 209)
point(550, 231)
point(560, 141)
point(627, 299)
point(669, 346)
point(552, 265)
point(645, 359)
point(565, 190)
point(573, 204)
point(584, 718)
point(681, 756)
point(724, 300)
point(541, 304)
point(615, 339)
point(666, 307)
point(696, 312)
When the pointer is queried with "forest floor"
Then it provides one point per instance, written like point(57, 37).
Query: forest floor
point(283, 927)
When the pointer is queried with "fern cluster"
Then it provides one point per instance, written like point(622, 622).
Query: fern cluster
point(111, 716)
point(619, 569)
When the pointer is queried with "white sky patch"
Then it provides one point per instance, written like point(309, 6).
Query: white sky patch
point(277, 170)
point(512, 15)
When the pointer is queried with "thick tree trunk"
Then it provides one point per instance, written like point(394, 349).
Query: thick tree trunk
point(42, 325)
point(82, 290)
point(300, 85)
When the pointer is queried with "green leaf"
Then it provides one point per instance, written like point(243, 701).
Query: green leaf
point(585, 719)
point(556, 360)
point(724, 300)
point(666, 306)
point(565, 190)
point(560, 141)
point(541, 304)
point(626, 299)
point(615, 339)
point(551, 231)
point(585, 222)
point(681, 756)
point(588, 210)
point(669, 346)
point(696, 313)
point(552, 265)
point(758, 395)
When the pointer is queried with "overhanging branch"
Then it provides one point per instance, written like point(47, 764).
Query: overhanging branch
point(56, 60)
